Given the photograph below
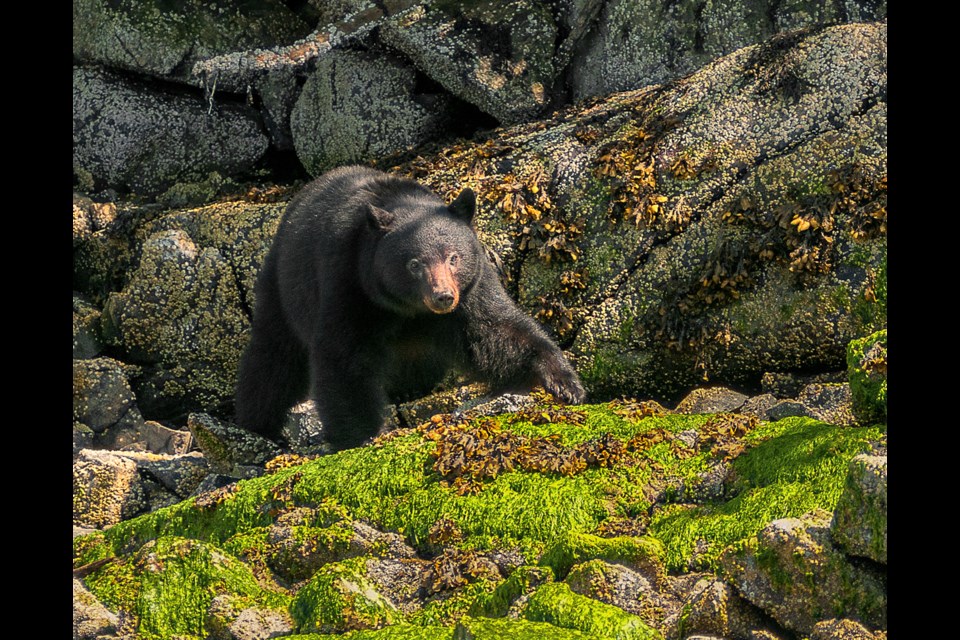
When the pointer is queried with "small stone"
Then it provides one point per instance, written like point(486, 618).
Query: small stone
point(180, 474)
point(789, 385)
point(229, 619)
point(102, 397)
point(415, 413)
point(842, 630)
point(714, 607)
point(302, 427)
point(487, 406)
point(147, 436)
point(758, 406)
point(711, 400)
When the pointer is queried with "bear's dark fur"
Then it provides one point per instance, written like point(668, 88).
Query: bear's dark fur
point(372, 291)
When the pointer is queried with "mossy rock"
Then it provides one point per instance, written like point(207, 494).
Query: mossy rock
point(860, 518)
point(557, 604)
point(867, 371)
point(340, 598)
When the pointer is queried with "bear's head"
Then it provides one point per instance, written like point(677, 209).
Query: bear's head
point(427, 254)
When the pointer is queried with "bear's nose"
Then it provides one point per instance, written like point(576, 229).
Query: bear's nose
point(443, 299)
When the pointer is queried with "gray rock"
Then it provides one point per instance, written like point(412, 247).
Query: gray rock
point(356, 107)
point(212, 482)
point(164, 40)
point(711, 400)
point(227, 447)
point(86, 329)
point(639, 43)
point(792, 571)
point(860, 517)
point(504, 403)
point(789, 408)
point(182, 311)
point(714, 607)
point(497, 56)
point(230, 617)
point(278, 92)
point(415, 413)
point(129, 135)
point(148, 436)
point(758, 406)
point(91, 620)
point(843, 630)
point(102, 397)
point(180, 474)
point(106, 489)
point(829, 402)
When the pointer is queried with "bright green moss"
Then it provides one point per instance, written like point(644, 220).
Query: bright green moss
point(799, 464)
point(448, 610)
point(339, 597)
point(496, 603)
point(169, 583)
point(557, 604)
point(643, 552)
point(393, 632)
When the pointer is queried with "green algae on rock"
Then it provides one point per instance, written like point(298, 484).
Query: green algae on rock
point(867, 371)
point(340, 598)
point(557, 604)
point(860, 518)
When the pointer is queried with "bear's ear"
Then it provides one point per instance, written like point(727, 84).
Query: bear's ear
point(465, 205)
point(379, 219)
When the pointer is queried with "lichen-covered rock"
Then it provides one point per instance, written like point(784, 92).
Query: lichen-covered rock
point(355, 108)
point(844, 630)
point(156, 38)
point(86, 329)
point(867, 371)
point(132, 136)
point(792, 571)
point(106, 489)
point(398, 579)
point(829, 402)
point(860, 518)
point(227, 447)
point(511, 595)
point(339, 598)
point(102, 397)
point(555, 603)
point(232, 617)
point(415, 413)
point(711, 400)
point(713, 607)
point(182, 311)
point(302, 427)
point(497, 56)
point(91, 620)
point(640, 43)
point(83, 438)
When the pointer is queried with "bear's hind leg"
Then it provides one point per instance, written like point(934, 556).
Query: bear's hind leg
point(274, 375)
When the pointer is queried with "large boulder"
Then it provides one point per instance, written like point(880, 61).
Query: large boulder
point(130, 135)
point(496, 55)
point(357, 107)
point(860, 519)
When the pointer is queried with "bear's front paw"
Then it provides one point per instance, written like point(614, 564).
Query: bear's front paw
point(560, 380)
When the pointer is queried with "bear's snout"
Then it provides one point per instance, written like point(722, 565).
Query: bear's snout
point(442, 294)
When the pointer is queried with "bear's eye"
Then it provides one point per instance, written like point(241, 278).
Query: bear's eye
point(414, 266)
point(454, 259)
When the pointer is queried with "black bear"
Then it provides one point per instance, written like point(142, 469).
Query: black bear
point(372, 291)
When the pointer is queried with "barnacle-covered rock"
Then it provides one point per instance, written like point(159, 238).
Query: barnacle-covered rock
point(106, 489)
point(793, 572)
point(102, 398)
